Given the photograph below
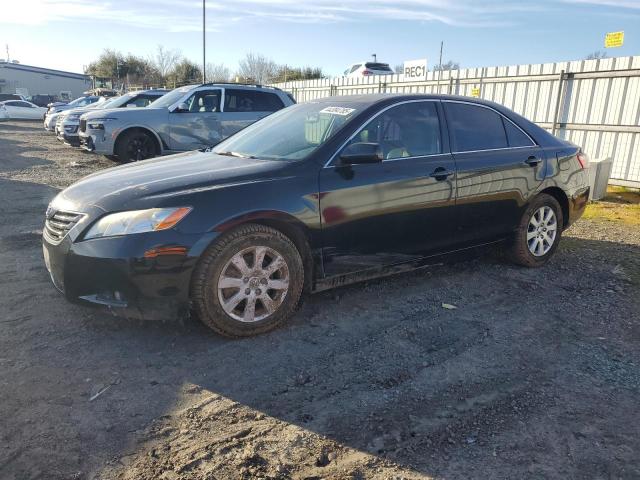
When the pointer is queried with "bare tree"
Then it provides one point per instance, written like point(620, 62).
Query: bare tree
point(257, 68)
point(165, 60)
point(217, 72)
point(597, 55)
point(450, 65)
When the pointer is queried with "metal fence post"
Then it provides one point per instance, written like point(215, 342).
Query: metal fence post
point(554, 125)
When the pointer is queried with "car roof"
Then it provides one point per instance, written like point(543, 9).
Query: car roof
point(375, 98)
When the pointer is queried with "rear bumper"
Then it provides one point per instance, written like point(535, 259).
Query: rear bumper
point(115, 274)
point(577, 204)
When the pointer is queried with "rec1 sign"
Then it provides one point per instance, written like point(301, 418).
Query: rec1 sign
point(415, 69)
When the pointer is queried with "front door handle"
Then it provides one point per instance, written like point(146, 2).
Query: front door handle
point(532, 161)
point(441, 174)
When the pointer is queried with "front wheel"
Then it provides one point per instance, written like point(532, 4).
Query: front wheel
point(249, 282)
point(538, 233)
point(135, 145)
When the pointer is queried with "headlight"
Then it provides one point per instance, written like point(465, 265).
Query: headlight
point(137, 221)
point(98, 123)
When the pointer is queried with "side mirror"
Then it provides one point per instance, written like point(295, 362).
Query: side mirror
point(363, 152)
point(182, 107)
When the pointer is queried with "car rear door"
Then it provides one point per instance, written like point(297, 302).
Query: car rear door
point(198, 125)
point(499, 169)
point(243, 106)
point(397, 210)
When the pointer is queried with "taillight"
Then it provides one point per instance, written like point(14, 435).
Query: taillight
point(583, 159)
point(367, 72)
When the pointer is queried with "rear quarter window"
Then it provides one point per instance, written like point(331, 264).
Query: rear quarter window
point(515, 136)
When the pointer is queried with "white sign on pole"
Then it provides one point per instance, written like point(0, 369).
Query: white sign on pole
point(415, 69)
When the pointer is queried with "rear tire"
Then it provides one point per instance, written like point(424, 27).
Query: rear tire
point(113, 158)
point(135, 145)
point(538, 233)
point(248, 282)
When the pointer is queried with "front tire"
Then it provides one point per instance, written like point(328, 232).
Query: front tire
point(248, 282)
point(136, 145)
point(538, 233)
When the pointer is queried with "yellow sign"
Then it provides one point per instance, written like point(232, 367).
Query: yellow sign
point(475, 92)
point(613, 39)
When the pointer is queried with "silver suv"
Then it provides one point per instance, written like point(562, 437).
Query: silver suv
point(187, 118)
point(69, 120)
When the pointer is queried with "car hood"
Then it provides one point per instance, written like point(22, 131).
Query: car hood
point(163, 181)
point(125, 113)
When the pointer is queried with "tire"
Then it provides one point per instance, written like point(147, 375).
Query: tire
point(530, 246)
point(135, 145)
point(113, 158)
point(213, 305)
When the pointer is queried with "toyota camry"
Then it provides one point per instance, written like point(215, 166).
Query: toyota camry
point(317, 195)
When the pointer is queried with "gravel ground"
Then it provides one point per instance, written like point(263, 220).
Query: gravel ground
point(534, 374)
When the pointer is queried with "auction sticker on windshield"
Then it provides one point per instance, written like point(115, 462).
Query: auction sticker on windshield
point(337, 110)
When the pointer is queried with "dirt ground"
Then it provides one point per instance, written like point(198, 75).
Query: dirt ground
point(534, 374)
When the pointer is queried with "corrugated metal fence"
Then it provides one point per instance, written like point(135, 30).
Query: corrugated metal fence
point(593, 103)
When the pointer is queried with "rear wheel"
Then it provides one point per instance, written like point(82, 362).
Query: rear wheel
point(136, 145)
point(539, 232)
point(113, 158)
point(249, 282)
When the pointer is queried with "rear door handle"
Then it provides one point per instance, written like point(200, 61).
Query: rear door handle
point(441, 174)
point(533, 161)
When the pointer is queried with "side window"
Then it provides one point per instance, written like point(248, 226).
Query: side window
point(515, 136)
point(407, 130)
point(251, 101)
point(204, 101)
point(141, 101)
point(475, 128)
point(13, 104)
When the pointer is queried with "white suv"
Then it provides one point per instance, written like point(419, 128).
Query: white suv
point(365, 69)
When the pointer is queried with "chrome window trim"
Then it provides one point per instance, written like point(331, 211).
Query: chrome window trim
point(533, 143)
point(366, 122)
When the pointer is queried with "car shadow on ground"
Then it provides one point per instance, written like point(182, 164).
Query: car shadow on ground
point(382, 368)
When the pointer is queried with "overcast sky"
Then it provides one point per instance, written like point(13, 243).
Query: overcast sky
point(68, 34)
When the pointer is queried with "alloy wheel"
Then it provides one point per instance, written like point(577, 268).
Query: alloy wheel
point(140, 148)
point(542, 231)
point(253, 284)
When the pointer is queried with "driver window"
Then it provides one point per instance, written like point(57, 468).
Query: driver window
point(204, 101)
point(407, 130)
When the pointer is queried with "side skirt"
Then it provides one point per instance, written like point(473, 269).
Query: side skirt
point(396, 268)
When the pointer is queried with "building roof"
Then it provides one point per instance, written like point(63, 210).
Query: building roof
point(41, 70)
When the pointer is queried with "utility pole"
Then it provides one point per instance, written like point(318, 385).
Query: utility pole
point(8, 58)
point(440, 66)
point(204, 44)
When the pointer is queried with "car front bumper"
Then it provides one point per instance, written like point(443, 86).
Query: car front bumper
point(96, 141)
point(68, 133)
point(128, 275)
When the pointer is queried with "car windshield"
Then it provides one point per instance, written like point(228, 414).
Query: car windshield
point(172, 97)
point(77, 101)
point(290, 134)
point(110, 103)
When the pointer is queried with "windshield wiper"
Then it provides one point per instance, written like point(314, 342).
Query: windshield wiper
point(235, 154)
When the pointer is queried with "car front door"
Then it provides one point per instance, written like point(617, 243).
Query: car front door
point(197, 123)
point(499, 169)
point(242, 107)
point(399, 209)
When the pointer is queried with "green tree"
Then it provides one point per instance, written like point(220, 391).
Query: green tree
point(183, 73)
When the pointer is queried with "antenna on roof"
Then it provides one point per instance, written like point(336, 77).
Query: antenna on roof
point(375, 57)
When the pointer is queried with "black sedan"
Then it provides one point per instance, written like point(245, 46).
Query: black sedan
point(314, 196)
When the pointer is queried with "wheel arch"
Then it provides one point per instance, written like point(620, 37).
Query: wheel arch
point(285, 223)
point(563, 200)
point(140, 128)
